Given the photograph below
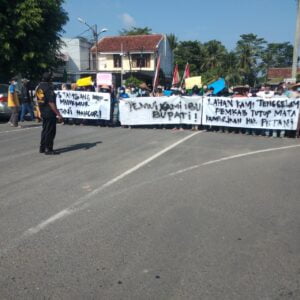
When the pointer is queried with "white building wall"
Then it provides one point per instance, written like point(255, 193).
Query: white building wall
point(78, 53)
point(85, 47)
point(106, 63)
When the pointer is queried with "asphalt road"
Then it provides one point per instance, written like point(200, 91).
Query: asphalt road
point(148, 214)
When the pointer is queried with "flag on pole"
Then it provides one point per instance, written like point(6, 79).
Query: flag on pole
point(186, 73)
point(176, 78)
point(156, 76)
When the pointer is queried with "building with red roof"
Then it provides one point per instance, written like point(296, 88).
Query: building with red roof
point(134, 55)
point(277, 75)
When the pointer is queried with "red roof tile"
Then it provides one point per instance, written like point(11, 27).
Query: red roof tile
point(129, 43)
point(281, 72)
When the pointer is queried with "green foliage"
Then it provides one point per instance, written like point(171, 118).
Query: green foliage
point(230, 68)
point(247, 64)
point(30, 36)
point(278, 55)
point(249, 50)
point(132, 81)
point(136, 31)
point(214, 54)
point(204, 59)
point(173, 40)
point(192, 52)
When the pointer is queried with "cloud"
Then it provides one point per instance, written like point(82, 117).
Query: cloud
point(128, 20)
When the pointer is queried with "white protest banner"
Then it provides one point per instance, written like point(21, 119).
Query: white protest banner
point(160, 110)
point(83, 105)
point(275, 113)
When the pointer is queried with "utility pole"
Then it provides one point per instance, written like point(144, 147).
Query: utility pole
point(297, 42)
point(96, 43)
point(96, 36)
point(122, 64)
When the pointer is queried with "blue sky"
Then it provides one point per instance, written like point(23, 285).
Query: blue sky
point(223, 20)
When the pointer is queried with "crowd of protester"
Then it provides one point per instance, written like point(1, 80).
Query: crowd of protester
point(242, 92)
point(25, 104)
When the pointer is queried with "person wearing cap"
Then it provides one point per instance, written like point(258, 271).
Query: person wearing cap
point(26, 101)
point(49, 112)
point(13, 103)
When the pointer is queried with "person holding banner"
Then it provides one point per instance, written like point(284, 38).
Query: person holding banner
point(47, 105)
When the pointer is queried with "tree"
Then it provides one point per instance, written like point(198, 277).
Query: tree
point(173, 40)
point(277, 55)
point(205, 59)
point(192, 52)
point(214, 55)
point(30, 36)
point(136, 31)
point(249, 50)
point(230, 68)
point(132, 81)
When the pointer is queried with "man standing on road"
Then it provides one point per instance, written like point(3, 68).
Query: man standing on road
point(46, 101)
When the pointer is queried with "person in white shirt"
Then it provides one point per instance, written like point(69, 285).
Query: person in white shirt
point(265, 93)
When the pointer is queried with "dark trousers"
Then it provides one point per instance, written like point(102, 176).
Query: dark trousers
point(14, 116)
point(48, 134)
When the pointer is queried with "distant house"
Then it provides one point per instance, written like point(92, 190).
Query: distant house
point(277, 75)
point(135, 55)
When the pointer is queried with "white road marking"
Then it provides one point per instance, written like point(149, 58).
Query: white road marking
point(81, 203)
point(44, 224)
point(232, 157)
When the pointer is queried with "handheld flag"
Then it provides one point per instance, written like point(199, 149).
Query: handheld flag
point(176, 78)
point(156, 76)
point(186, 73)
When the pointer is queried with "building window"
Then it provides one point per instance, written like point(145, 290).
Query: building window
point(117, 61)
point(140, 60)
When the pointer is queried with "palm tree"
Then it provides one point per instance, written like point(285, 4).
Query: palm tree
point(173, 40)
point(230, 68)
point(214, 55)
point(250, 50)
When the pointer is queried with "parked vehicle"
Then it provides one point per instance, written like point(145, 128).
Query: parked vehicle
point(5, 111)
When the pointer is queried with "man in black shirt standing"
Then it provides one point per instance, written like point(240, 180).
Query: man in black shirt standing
point(47, 105)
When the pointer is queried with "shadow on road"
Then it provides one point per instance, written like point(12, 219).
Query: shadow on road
point(82, 146)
